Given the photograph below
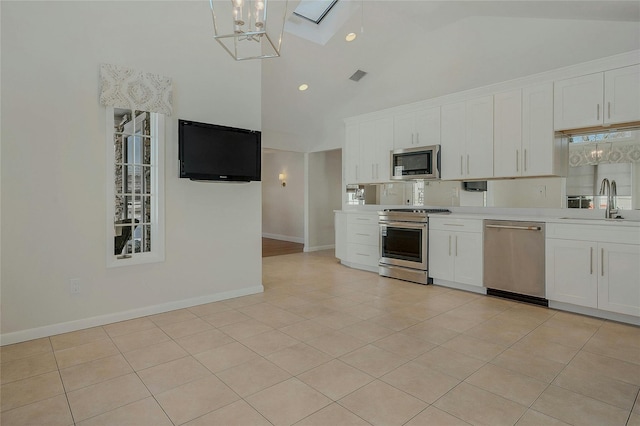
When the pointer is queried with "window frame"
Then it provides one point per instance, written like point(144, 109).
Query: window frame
point(157, 253)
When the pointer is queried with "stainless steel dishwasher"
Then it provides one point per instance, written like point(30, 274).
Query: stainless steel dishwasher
point(514, 260)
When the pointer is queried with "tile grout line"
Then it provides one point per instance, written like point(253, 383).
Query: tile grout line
point(285, 291)
point(64, 388)
point(632, 407)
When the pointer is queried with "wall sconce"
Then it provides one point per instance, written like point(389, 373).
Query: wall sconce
point(282, 177)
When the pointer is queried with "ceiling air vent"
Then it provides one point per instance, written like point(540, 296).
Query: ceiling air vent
point(357, 75)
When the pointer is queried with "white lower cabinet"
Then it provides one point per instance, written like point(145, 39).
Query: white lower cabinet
point(455, 250)
point(570, 272)
point(619, 278)
point(361, 254)
point(340, 227)
point(360, 239)
point(594, 273)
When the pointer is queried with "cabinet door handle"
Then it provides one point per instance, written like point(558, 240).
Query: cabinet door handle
point(517, 161)
point(411, 138)
point(364, 235)
point(417, 138)
point(461, 171)
point(356, 172)
point(598, 112)
point(373, 173)
point(525, 160)
point(467, 163)
point(602, 262)
point(449, 245)
point(377, 171)
point(456, 246)
point(591, 262)
point(609, 109)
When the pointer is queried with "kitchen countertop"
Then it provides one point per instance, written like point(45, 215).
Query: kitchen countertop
point(550, 219)
point(574, 216)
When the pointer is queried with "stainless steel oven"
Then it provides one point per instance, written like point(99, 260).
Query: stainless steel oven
point(404, 244)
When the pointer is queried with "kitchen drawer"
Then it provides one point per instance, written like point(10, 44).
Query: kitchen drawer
point(363, 254)
point(363, 234)
point(613, 233)
point(453, 224)
point(362, 219)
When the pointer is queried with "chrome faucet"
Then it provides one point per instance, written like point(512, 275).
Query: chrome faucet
point(611, 192)
point(614, 198)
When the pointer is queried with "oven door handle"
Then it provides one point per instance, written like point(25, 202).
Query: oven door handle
point(411, 225)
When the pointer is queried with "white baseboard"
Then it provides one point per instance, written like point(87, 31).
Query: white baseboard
point(284, 238)
point(360, 266)
point(460, 286)
point(318, 248)
point(65, 327)
point(583, 310)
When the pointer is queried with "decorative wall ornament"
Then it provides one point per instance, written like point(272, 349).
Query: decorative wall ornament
point(123, 87)
point(584, 154)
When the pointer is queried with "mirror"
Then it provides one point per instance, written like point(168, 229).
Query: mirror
point(614, 156)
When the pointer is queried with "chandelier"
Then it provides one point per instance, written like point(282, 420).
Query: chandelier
point(240, 26)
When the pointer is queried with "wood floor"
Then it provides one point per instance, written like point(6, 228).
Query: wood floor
point(277, 247)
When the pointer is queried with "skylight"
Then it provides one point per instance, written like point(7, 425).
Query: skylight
point(314, 10)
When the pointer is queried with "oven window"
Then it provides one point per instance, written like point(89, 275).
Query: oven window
point(403, 243)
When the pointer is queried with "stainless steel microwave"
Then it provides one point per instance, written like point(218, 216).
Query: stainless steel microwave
point(416, 163)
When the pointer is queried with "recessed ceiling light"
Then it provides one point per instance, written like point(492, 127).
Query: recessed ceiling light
point(303, 87)
point(351, 36)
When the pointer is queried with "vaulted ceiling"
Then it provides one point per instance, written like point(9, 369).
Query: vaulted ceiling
point(416, 50)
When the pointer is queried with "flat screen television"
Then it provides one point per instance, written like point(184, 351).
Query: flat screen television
point(218, 153)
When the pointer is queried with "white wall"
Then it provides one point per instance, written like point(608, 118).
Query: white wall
point(53, 165)
point(283, 207)
point(283, 141)
point(324, 195)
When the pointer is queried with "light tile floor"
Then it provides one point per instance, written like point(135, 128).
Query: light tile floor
point(328, 345)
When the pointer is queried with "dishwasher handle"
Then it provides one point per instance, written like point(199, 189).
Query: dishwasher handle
point(523, 228)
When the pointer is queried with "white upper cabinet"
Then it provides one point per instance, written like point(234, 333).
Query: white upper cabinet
point(368, 155)
point(507, 138)
point(452, 150)
point(418, 128)
point(479, 161)
point(505, 135)
point(622, 95)
point(543, 154)
point(524, 140)
point(578, 102)
point(352, 154)
point(597, 99)
point(375, 145)
point(467, 139)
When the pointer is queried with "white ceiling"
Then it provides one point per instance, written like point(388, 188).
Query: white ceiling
point(416, 50)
